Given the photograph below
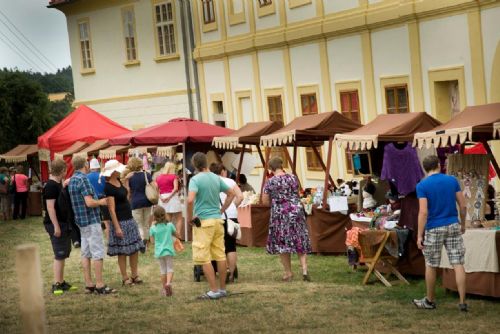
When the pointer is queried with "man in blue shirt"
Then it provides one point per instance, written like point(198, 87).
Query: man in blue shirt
point(98, 181)
point(438, 195)
point(86, 210)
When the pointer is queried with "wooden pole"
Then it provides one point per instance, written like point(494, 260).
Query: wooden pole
point(238, 172)
point(287, 155)
point(492, 158)
point(327, 171)
point(264, 175)
point(294, 165)
point(29, 276)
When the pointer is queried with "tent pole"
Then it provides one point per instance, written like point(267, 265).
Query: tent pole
point(492, 157)
point(240, 163)
point(184, 181)
point(264, 175)
point(325, 168)
point(262, 160)
point(294, 165)
point(327, 171)
point(287, 154)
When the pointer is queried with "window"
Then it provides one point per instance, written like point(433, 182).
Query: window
point(349, 105)
point(310, 107)
point(208, 11)
point(263, 3)
point(165, 28)
point(396, 99)
point(276, 114)
point(128, 17)
point(219, 116)
point(85, 45)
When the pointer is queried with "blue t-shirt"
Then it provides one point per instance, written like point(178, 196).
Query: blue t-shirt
point(164, 241)
point(97, 184)
point(440, 191)
point(137, 184)
point(207, 187)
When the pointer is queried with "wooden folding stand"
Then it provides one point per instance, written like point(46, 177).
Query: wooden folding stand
point(375, 253)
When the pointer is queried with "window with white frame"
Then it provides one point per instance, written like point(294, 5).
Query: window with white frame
point(128, 17)
point(165, 28)
point(85, 44)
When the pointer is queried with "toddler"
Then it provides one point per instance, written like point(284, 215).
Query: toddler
point(162, 234)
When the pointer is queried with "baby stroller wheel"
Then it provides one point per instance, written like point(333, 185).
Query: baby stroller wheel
point(197, 272)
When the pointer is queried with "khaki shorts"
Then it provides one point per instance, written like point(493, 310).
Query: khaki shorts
point(208, 242)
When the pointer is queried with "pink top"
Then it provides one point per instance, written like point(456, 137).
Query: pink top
point(166, 183)
point(21, 183)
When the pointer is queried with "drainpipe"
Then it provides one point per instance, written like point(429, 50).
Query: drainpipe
point(195, 67)
point(186, 58)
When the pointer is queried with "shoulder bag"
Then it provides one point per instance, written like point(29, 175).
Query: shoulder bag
point(151, 192)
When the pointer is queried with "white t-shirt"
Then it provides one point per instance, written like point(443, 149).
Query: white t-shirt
point(231, 211)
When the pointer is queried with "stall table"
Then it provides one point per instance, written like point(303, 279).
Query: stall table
point(34, 204)
point(481, 264)
point(254, 223)
point(328, 231)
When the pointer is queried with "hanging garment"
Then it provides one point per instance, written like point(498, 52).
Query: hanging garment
point(401, 167)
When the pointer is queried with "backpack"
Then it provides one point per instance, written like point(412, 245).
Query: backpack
point(64, 206)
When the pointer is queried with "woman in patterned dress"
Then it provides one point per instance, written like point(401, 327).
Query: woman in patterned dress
point(288, 232)
point(124, 237)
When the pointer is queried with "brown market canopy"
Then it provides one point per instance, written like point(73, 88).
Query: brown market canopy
point(249, 134)
point(20, 153)
point(76, 147)
point(93, 149)
point(110, 152)
point(305, 130)
point(387, 127)
point(476, 123)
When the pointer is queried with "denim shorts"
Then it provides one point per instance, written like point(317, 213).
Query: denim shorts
point(61, 246)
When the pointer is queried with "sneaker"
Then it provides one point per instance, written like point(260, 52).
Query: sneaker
point(65, 286)
point(222, 293)
point(463, 307)
point(76, 244)
point(424, 303)
point(57, 289)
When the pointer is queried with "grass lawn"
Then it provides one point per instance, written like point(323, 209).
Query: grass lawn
point(334, 302)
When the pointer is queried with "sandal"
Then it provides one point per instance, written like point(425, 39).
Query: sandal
point(137, 280)
point(287, 278)
point(105, 290)
point(128, 282)
point(90, 289)
point(168, 290)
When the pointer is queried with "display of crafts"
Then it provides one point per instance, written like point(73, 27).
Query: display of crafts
point(307, 197)
point(249, 198)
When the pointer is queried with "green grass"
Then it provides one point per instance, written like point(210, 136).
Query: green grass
point(335, 302)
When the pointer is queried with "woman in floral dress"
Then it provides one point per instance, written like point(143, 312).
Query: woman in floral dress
point(287, 227)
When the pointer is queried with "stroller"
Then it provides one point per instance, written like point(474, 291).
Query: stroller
point(198, 272)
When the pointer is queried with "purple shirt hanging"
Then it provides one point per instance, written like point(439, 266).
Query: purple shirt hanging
point(402, 167)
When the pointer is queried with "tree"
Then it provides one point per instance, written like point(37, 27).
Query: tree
point(24, 110)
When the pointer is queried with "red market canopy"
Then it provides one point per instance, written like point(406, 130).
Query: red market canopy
point(83, 124)
point(177, 130)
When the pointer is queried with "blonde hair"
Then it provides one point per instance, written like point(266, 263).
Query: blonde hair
point(169, 168)
point(58, 167)
point(134, 164)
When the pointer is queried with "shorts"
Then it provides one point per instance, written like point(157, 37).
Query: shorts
point(60, 246)
point(229, 241)
point(142, 217)
point(208, 242)
point(92, 245)
point(166, 264)
point(451, 237)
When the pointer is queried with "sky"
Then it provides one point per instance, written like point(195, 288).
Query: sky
point(45, 28)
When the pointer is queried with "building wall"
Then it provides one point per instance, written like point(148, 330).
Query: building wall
point(490, 27)
point(156, 88)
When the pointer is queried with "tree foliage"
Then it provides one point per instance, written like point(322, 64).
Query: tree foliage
point(25, 110)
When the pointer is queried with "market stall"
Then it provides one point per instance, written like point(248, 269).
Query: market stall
point(473, 124)
point(253, 218)
point(22, 154)
point(389, 135)
point(312, 131)
point(184, 133)
point(83, 124)
point(92, 150)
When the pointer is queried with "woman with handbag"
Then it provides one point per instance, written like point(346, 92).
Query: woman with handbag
point(230, 214)
point(139, 182)
point(124, 239)
point(168, 184)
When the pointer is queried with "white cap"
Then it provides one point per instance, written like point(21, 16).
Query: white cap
point(94, 164)
point(112, 166)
